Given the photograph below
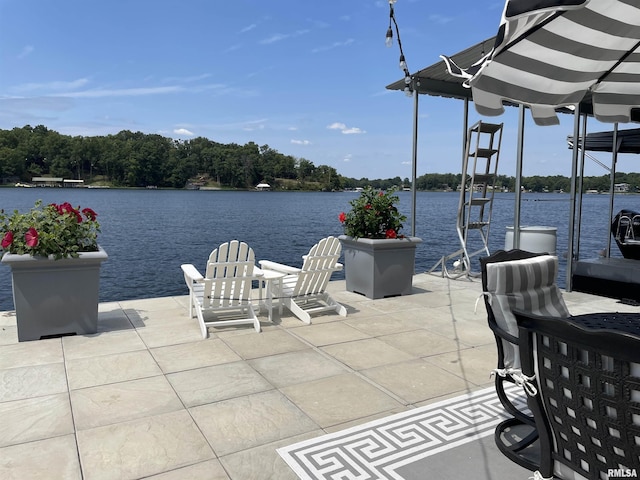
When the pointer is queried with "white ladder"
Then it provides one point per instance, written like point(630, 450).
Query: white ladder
point(477, 188)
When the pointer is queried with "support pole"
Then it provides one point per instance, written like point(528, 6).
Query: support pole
point(518, 186)
point(414, 163)
point(612, 172)
point(572, 200)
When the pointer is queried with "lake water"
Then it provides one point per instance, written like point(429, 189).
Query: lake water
point(149, 233)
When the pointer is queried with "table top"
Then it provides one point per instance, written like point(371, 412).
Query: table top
point(625, 322)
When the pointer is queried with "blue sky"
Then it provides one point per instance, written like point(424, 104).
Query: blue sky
point(305, 78)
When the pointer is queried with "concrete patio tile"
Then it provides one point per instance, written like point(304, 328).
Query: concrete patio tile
point(143, 447)
point(151, 304)
point(170, 334)
point(187, 356)
point(119, 367)
point(112, 320)
point(41, 460)
point(121, 402)
point(421, 343)
point(27, 354)
point(469, 333)
point(415, 380)
point(155, 318)
point(35, 419)
point(296, 367)
point(263, 344)
point(245, 422)
point(329, 333)
point(218, 382)
point(7, 319)
point(339, 399)
point(368, 353)
point(387, 323)
point(360, 421)
point(209, 470)
point(263, 462)
point(8, 335)
point(82, 346)
point(36, 381)
point(473, 364)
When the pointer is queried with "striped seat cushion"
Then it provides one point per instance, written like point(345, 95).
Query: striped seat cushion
point(528, 285)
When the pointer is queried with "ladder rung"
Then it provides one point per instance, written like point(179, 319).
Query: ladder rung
point(483, 177)
point(487, 127)
point(484, 152)
point(476, 225)
point(479, 201)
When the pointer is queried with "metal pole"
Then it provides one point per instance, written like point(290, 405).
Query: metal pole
point(614, 160)
point(572, 199)
point(414, 162)
point(518, 186)
point(583, 151)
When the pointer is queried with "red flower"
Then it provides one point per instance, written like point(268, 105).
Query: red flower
point(90, 214)
point(7, 239)
point(342, 217)
point(391, 233)
point(367, 206)
point(31, 237)
point(381, 194)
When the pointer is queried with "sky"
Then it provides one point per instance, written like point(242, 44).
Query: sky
point(306, 78)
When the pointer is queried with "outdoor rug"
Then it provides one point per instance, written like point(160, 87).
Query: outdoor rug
point(399, 446)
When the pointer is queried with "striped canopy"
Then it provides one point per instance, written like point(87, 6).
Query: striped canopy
point(559, 53)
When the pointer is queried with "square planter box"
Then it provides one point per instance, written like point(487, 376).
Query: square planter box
point(55, 297)
point(379, 268)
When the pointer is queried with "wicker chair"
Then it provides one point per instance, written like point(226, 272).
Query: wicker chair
point(587, 405)
point(525, 280)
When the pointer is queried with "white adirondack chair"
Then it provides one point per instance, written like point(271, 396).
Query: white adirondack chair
point(222, 295)
point(303, 290)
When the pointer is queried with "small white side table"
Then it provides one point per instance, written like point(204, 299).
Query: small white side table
point(273, 282)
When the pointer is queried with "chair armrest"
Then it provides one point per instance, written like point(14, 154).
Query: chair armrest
point(191, 273)
point(278, 267)
point(339, 267)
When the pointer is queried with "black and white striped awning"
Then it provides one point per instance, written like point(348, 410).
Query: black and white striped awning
point(559, 53)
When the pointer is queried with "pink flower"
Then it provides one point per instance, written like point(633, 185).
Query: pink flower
point(31, 237)
point(7, 239)
point(342, 217)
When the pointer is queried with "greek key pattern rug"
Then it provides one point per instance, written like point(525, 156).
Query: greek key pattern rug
point(378, 449)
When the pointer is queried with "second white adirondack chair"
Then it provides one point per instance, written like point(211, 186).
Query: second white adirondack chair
point(223, 293)
point(303, 290)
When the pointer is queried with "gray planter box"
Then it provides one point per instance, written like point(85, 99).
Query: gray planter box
point(379, 268)
point(55, 297)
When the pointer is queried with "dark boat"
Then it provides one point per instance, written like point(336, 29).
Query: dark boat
point(625, 229)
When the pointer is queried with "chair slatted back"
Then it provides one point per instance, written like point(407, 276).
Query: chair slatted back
point(318, 266)
point(229, 274)
point(587, 408)
point(527, 284)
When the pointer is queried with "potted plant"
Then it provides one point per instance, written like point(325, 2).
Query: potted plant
point(379, 259)
point(55, 261)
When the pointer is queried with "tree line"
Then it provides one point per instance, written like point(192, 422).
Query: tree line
point(136, 159)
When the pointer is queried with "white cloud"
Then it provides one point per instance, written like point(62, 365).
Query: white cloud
point(300, 142)
point(248, 28)
point(26, 51)
point(353, 130)
point(56, 85)
point(282, 36)
point(347, 157)
point(440, 19)
point(343, 128)
point(183, 131)
point(333, 45)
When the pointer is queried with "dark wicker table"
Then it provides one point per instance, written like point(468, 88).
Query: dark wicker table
point(623, 322)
